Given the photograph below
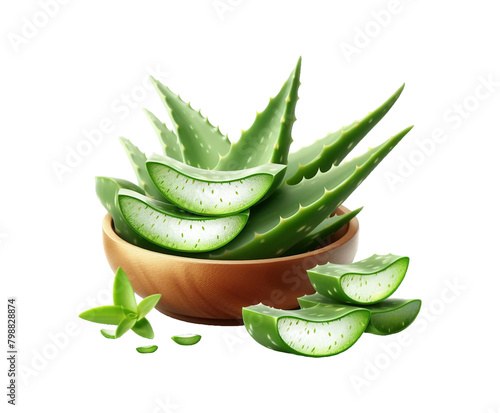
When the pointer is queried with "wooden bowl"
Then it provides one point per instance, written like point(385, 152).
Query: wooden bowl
point(214, 291)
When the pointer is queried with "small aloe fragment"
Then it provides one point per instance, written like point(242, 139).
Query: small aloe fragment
point(212, 192)
point(315, 332)
point(334, 147)
point(390, 316)
point(172, 228)
point(138, 161)
point(202, 144)
point(364, 282)
point(187, 340)
point(169, 140)
point(293, 211)
point(322, 232)
point(268, 139)
point(107, 192)
point(147, 349)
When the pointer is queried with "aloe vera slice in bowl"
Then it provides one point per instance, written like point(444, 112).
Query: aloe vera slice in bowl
point(364, 282)
point(387, 317)
point(205, 192)
point(172, 228)
point(315, 332)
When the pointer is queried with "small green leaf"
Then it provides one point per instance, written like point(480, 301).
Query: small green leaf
point(123, 293)
point(147, 349)
point(125, 325)
point(146, 305)
point(187, 340)
point(109, 333)
point(143, 328)
point(107, 314)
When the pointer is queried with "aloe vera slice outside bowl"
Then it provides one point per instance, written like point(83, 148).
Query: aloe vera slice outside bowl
point(214, 291)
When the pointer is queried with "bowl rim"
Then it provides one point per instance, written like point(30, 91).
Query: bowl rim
point(352, 230)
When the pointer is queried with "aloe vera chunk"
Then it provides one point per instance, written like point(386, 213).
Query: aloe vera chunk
point(212, 192)
point(315, 332)
point(364, 282)
point(387, 317)
point(147, 349)
point(187, 340)
point(324, 230)
point(172, 228)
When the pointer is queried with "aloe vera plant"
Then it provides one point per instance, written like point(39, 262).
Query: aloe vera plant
point(212, 192)
point(364, 282)
point(290, 196)
point(314, 331)
point(390, 316)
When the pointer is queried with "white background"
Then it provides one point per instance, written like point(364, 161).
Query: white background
point(74, 71)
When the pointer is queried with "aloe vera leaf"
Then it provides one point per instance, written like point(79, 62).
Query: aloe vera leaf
point(212, 192)
point(169, 140)
point(111, 334)
point(387, 317)
point(324, 230)
point(138, 161)
point(202, 144)
point(143, 328)
point(334, 147)
point(268, 139)
point(146, 305)
point(125, 325)
point(123, 293)
point(147, 349)
point(293, 211)
point(187, 340)
point(364, 282)
point(315, 332)
point(107, 192)
point(172, 228)
point(107, 314)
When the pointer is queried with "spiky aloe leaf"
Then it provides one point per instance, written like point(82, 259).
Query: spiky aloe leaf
point(175, 229)
point(364, 282)
point(334, 147)
point(295, 210)
point(387, 317)
point(107, 192)
point(212, 192)
point(202, 144)
point(138, 161)
point(324, 230)
point(268, 139)
point(169, 140)
point(315, 332)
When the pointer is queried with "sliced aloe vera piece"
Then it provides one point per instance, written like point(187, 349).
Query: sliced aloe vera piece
point(111, 334)
point(147, 349)
point(324, 230)
point(202, 144)
point(169, 140)
point(172, 228)
point(107, 192)
point(387, 317)
point(364, 282)
point(334, 147)
point(138, 161)
point(315, 332)
point(212, 192)
point(187, 340)
point(269, 137)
